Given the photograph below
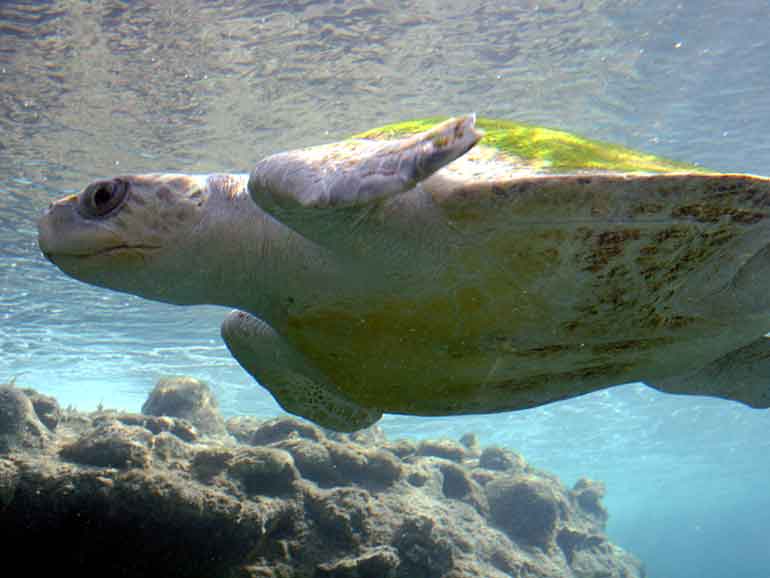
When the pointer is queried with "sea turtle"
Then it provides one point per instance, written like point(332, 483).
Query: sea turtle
point(434, 269)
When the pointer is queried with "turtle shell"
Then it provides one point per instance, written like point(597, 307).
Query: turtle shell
point(529, 149)
point(568, 265)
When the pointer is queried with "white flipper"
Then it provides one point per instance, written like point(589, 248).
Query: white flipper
point(326, 192)
point(296, 385)
point(741, 375)
point(356, 172)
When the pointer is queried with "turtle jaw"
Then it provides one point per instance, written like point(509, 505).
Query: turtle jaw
point(93, 253)
point(63, 235)
point(90, 251)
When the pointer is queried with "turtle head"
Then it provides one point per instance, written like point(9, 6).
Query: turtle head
point(136, 234)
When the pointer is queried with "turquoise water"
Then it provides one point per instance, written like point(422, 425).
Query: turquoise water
point(91, 89)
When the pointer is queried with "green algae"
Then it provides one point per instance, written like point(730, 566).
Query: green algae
point(546, 149)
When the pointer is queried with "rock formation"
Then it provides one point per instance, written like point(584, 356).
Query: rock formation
point(113, 493)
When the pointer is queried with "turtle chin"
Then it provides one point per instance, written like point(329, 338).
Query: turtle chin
point(132, 270)
point(83, 249)
point(113, 268)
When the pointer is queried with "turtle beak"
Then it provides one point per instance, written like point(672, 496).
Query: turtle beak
point(56, 218)
point(63, 232)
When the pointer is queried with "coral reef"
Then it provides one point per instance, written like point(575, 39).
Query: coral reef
point(113, 493)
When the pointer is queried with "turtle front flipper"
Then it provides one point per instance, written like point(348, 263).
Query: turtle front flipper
point(296, 385)
point(742, 375)
point(307, 189)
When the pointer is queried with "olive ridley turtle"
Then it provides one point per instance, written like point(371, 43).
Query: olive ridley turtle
point(430, 268)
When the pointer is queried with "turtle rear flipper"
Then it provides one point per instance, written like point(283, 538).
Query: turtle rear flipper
point(742, 375)
point(296, 385)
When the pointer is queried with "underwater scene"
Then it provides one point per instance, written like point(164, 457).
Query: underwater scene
point(435, 314)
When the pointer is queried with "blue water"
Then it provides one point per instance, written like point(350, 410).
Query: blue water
point(92, 89)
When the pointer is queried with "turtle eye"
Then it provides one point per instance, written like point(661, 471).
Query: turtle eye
point(101, 198)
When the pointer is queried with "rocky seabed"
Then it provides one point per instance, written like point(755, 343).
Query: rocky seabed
point(178, 492)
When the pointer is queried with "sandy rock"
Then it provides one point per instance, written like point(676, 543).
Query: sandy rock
point(423, 552)
point(367, 467)
point(589, 494)
point(370, 436)
point(255, 432)
point(263, 471)
point(401, 448)
point(46, 408)
point(241, 427)
point(9, 478)
point(210, 461)
point(599, 558)
point(447, 449)
point(381, 562)
point(419, 476)
point(181, 428)
point(111, 444)
point(572, 540)
point(344, 515)
point(501, 459)
point(483, 477)
point(382, 469)
point(526, 508)
point(20, 427)
point(186, 398)
point(458, 484)
point(471, 443)
point(313, 460)
point(168, 447)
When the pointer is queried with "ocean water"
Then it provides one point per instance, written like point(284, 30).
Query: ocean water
point(91, 89)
